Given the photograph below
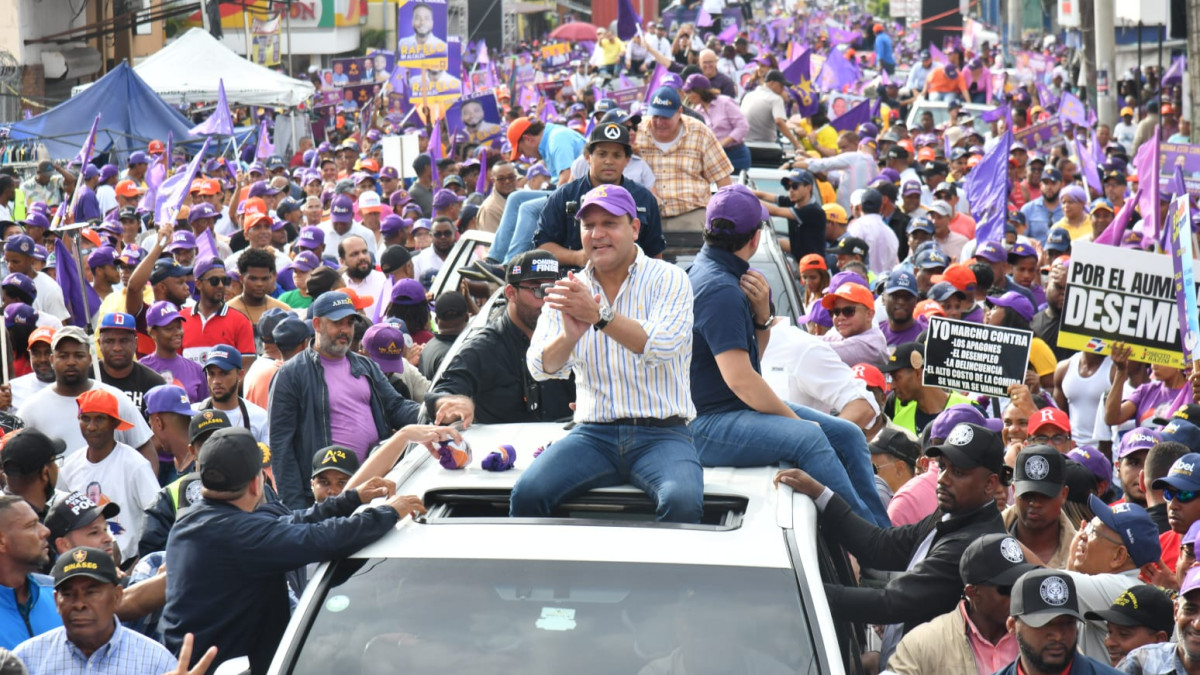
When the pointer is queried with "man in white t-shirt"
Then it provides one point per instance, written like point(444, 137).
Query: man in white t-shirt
point(223, 371)
point(360, 274)
point(41, 360)
point(52, 409)
point(109, 471)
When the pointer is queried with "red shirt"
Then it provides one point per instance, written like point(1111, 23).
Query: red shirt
point(223, 328)
point(1170, 548)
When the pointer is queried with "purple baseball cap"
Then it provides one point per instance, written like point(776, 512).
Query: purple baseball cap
point(818, 315)
point(1016, 302)
point(40, 252)
point(36, 219)
point(384, 343)
point(952, 417)
point(393, 224)
point(612, 198)
point(261, 189)
point(991, 251)
point(20, 314)
point(199, 211)
point(311, 237)
point(389, 172)
point(890, 175)
point(257, 167)
point(421, 224)
point(107, 172)
point(169, 398)
point(538, 169)
point(408, 292)
point(162, 313)
point(444, 198)
point(90, 171)
point(1022, 250)
point(306, 261)
point(205, 265)
point(182, 241)
point(671, 80)
point(845, 278)
point(102, 257)
point(737, 204)
point(342, 209)
point(1094, 461)
point(21, 283)
point(138, 157)
point(1141, 438)
point(911, 187)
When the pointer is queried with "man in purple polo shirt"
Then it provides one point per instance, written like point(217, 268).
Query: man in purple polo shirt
point(899, 297)
point(165, 324)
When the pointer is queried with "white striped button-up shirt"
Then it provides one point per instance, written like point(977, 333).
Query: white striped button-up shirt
point(612, 382)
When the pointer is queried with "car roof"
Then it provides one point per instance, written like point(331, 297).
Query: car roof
point(751, 538)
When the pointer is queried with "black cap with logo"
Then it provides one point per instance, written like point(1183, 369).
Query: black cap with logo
point(229, 460)
point(84, 561)
point(1040, 469)
point(971, 445)
point(335, 458)
point(1042, 595)
point(207, 421)
point(1141, 605)
point(535, 265)
point(906, 355)
point(896, 443)
point(609, 132)
point(76, 511)
point(993, 560)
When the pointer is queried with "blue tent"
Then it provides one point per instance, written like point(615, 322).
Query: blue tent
point(131, 115)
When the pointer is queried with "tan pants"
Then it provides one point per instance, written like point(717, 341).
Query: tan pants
point(689, 221)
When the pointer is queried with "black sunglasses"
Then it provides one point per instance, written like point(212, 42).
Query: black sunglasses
point(538, 291)
point(843, 311)
point(443, 234)
point(219, 281)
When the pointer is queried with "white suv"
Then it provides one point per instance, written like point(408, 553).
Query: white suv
point(601, 588)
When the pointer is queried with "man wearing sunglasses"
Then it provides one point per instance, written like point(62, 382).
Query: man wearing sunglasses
point(1181, 492)
point(973, 637)
point(1036, 519)
point(209, 322)
point(489, 369)
point(855, 337)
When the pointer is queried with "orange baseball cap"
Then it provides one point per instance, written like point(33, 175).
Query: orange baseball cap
point(370, 165)
point(813, 261)
point(360, 302)
point(128, 188)
point(43, 334)
point(975, 160)
point(926, 154)
point(856, 293)
point(960, 276)
point(515, 131)
point(907, 144)
point(870, 375)
point(928, 308)
point(254, 211)
point(103, 402)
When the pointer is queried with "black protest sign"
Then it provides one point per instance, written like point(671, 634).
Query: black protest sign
point(970, 357)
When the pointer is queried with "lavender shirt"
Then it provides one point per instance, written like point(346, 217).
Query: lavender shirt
point(866, 347)
point(725, 118)
point(186, 372)
point(350, 420)
point(897, 338)
point(1149, 397)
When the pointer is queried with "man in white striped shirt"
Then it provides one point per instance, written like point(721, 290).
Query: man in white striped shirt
point(624, 327)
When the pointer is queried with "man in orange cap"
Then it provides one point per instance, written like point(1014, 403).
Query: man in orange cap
point(554, 144)
point(855, 337)
point(109, 471)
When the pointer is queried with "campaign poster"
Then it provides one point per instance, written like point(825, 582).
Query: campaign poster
point(523, 69)
point(355, 97)
point(970, 357)
point(422, 28)
point(378, 65)
point(264, 42)
point(1042, 136)
point(437, 86)
point(1121, 295)
point(1187, 158)
point(839, 104)
point(556, 55)
point(347, 71)
point(477, 116)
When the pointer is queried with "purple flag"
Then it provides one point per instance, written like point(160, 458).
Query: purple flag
point(206, 244)
point(836, 72)
point(1004, 112)
point(174, 190)
point(839, 36)
point(220, 122)
point(264, 149)
point(728, 34)
point(799, 74)
point(84, 156)
point(704, 19)
point(154, 178)
point(169, 152)
point(1147, 164)
point(1087, 162)
point(1174, 74)
point(987, 191)
point(74, 288)
point(1111, 236)
point(628, 21)
point(481, 183)
point(482, 57)
point(435, 151)
point(654, 83)
point(937, 55)
point(849, 120)
point(1070, 109)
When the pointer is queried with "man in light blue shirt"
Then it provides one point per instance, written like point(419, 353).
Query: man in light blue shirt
point(919, 73)
point(1046, 210)
point(883, 50)
point(554, 144)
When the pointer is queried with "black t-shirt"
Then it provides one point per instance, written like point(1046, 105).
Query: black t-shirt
point(140, 380)
point(806, 230)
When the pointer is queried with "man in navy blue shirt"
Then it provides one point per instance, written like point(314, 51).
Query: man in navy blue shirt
point(739, 419)
point(608, 152)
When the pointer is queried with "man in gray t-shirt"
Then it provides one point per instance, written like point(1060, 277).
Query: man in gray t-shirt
point(765, 111)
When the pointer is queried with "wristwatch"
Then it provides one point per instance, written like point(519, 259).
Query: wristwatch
point(766, 325)
point(606, 316)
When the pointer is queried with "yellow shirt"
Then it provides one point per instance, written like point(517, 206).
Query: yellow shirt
point(611, 51)
point(1084, 229)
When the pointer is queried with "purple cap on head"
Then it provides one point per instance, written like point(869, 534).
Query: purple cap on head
point(20, 314)
point(385, 344)
point(845, 278)
point(260, 188)
point(697, 82)
point(393, 224)
point(311, 237)
point(162, 313)
point(257, 167)
point(1141, 438)
point(672, 80)
point(738, 205)
point(952, 417)
point(168, 398)
point(102, 257)
point(90, 171)
point(1016, 302)
point(408, 292)
point(991, 251)
point(36, 219)
point(614, 199)
point(205, 265)
point(445, 198)
point(342, 209)
point(16, 281)
point(911, 187)
point(538, 169)
point(1094, 461)
point(40, 253)
point(138, 157)
point(182, 241)
point(200, 211)
point(108, 172)
point(389, 173)
point(306, 261)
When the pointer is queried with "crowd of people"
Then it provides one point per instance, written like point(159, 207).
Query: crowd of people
point(197, 406)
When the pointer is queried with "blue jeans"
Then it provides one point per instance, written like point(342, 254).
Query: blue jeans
point(508, 222)
point(660, 460)
point(527, 221)
point(835, 452)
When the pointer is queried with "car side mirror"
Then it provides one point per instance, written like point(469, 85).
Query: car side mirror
point(236, 666)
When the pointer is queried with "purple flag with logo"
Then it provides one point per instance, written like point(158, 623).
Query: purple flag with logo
point(174, 190)
point(987, 191)
point(628, 20)
point(220, 122)
point(1070, 109)
point(1087, 162)
point(840, 36)
point(1003, 112)
point(654, 83)
point(264, 149)
point(1179, 246)
point(74, 288)
point(849, 120)
point(1147, 164)
point(836, 73)
point(799, 74)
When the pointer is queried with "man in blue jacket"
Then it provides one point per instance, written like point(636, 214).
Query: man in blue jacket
point(26, 599)
point(228, 557)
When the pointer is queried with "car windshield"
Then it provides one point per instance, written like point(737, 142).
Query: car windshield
point(417, 616)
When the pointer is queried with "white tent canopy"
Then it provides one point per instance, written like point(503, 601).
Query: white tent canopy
point(190, 69)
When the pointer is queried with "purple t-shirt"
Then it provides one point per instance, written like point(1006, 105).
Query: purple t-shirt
point(898, 338)
point(975, 315)
point(1150, 397)
point(184, 372)
point(350, 421)
point(866, 347)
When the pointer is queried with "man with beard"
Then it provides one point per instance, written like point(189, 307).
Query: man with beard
point(341, 224)
point(360, 275)
point(422, 43)
point(257, 268)
point(209, 322)
point(223, 370)
point(1044, 617)
point(1036, 519)
point(504, 181)
point(489, 373)
point(1046, 210)
point(325, 395)
point(1182, 656)
point(26, 602)
point(118, 344)
point(52, 409)
point(30, 461)
point(431, 259)
point(899, 297)
point(40, 359)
